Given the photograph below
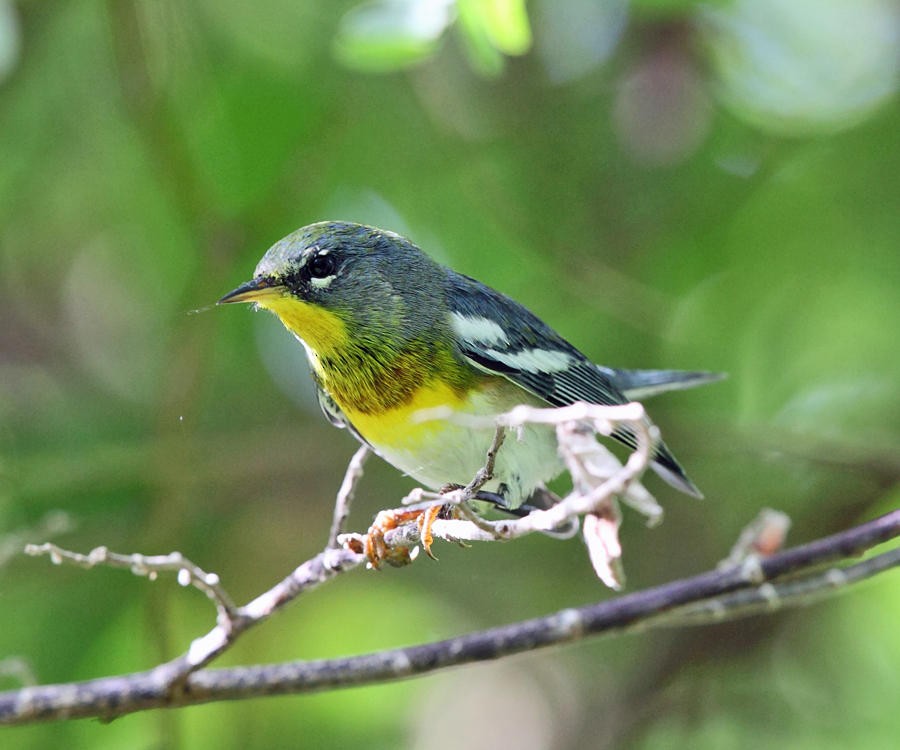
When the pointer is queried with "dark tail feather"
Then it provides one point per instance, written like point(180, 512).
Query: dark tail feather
point(640, 384)
point(665, 465)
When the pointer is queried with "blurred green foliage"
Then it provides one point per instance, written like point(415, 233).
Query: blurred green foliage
point(669, 184)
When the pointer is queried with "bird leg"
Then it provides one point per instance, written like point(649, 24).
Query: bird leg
point(374, 544)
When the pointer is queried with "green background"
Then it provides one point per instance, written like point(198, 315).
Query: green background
point(669, 184)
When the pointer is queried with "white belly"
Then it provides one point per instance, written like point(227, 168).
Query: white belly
point(452, 454)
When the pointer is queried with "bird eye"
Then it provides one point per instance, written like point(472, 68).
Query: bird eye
point(321, 266)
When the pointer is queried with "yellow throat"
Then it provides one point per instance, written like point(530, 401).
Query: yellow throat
point(321, 330)
point(379, 387)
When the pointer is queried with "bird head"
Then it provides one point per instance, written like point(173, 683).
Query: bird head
point(337, 284)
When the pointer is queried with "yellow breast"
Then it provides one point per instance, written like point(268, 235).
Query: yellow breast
point(442, 451)
point(380, 388)
point(399, 427)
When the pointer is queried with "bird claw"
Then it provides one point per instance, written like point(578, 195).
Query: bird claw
point(425, 522)
point(375, 547)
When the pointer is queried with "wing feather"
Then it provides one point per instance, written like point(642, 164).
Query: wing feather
point(498, 335)
point(552, 369)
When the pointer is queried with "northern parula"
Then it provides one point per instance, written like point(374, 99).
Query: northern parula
point(389, 332)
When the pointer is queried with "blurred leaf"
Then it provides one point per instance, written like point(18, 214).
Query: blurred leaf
point(242, 128)
point(492, 28)
point(279, 32)
point(672, 7)
point(10, 38)
point(386, 35)
point(787, 75)
point(505, 22)
point(662, 110)
point(574, 36)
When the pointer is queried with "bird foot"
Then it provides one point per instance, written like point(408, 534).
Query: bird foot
point(375, 547)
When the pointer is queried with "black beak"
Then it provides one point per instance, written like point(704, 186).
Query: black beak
point(254, 291)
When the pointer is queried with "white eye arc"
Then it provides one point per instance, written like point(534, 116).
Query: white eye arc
point(321, 269)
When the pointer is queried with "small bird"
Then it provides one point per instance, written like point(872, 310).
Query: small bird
point(389, 332)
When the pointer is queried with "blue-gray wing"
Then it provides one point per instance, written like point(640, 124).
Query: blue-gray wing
point(498, 335)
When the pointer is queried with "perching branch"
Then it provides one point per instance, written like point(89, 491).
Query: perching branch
point(745, 583)
point(709, 595)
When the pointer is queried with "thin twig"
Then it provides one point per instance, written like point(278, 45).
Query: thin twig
point(770, 597)
point(314, 572)
point(189, 574)
point(486, 473)
point(764, 535)
point(54, 523)
point(464, 496)
point(231, 621)
point(345, 494)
